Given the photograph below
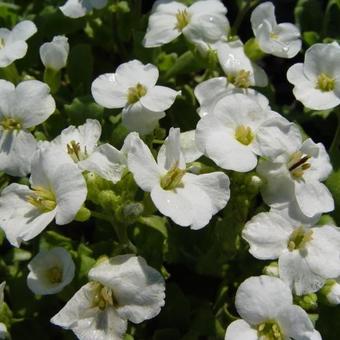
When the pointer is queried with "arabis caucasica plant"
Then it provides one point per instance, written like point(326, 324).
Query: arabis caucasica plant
point(188, 199)
point(281, 40)
point(316, 81)
point(203, 23)
point(13, 44)
point(308, 255)
point(57, 191)
point(133, 88)
point(266, 307)
point(81, 145)
point(78, 8)
point(21, 108)
point(121, 289)
point(50, 271)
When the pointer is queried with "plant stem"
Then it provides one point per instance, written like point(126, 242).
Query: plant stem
point(335, 146)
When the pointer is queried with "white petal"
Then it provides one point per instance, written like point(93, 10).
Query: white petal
point(76, 8)
point(133, 72)
point(313, 197)
point(54, 54)
point(240, 329)
point(289, 36)
point(22, 31)
point(137, 118)
point(7, 90)
point(159, 98)
point(108, 93)
point(107, 162)
point(20, 220)
point(11, 52)
point(138, 288)
point(16, 152)
point(32, 103)
point(216, 141)
point(188, 146)
point(264, 11)
point(55, 258)
point(295, 271)
point(267, 234)
point(260, 298)
point(88, 322)
point(296, 324)
point(161, 29)
point(324, 251)
point(142, 165)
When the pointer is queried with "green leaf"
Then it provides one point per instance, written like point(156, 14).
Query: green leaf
point(80, 68)
point(50, 239)
point(156, 222)
point(309, 15)
point(332, 18)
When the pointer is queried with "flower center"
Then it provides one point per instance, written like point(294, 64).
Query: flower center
point(297, 164)
point(270, 330)
point(325, 83)
point(182, 17)
point(103, 297)
point(135, 93)
point(2, 43)
point(274, 36)
point(173, 178)
point(241, 79)
point(42, 198)
point(299, 238)
point(244, 134)
point(54, 275)
point(74, 150)
point(10, 124)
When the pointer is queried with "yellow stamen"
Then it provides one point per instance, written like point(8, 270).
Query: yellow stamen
point(74, 150)
point(325, 83)
point(299, 238)
point(244, 134)
point(42, 198)
point(135, 93)
point(54, 275)
point(173, 178)
point(297, 164)
point(270, 330)
point(10, 124)
point(103, 297)
point(182, 17)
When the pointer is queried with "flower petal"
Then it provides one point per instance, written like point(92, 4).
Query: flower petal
point(240, 329)
point(159, 98)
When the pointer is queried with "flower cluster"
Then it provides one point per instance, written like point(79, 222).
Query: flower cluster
point(242, 169)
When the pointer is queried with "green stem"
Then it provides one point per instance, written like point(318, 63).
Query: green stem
point(10, 73)
point(101, 216)
point(335, 146)
point(241, 14)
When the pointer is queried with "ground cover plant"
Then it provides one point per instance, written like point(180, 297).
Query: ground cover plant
point(169, 169)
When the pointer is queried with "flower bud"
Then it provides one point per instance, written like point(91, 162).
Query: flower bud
point(54, 54)
point(331, 291)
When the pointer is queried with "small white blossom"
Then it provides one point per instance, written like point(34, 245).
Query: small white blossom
point(240, 70)
point(123, 288)
point(50, 271)
point(13, 44)
point(307, 255)
point(203, 23)
point(188, 199)
point(237, 130)
point(293, 179)
point(266, 307)
point(78, 8)
point(58, 191)
point(54, 54)
point(133, 88)
point(21, 108)
point(281, 40)
point(81, 144)
point(333, 291)
point(317, 80)
point(211, 91)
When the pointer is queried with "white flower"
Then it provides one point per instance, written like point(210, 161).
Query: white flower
point(211, 91)
point(58, 191)
point(188, 199)
point(293, 179)
point(317, 80)
point(203, 23)
point(50, 271)
point(240, 70)
point(81, 144)
point(133, 88)
point(54, 54)
point(266, 307)
point(333, 291)
point(79, 8)
point(21, 108)
point(281, 40)
point(307, 255)
point(237, 130)
point(13, 42)
point(122, 288)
